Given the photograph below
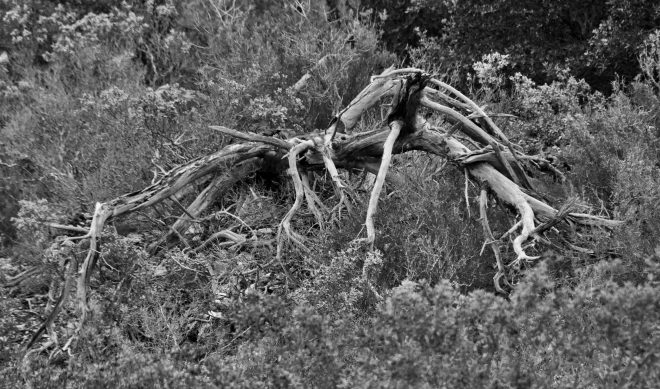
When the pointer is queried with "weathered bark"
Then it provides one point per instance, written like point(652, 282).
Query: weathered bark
point(395, 130)
point(285, 225)
point(490, 239)
point(370, 96)
point(218, 186)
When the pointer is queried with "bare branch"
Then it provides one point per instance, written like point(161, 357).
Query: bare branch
point(395, 129)
point(285, 224)
point(250, 137)
point(367, 98)
point(68, 228)
point(490, 239)
point(509, 192)
point(487, 160)
point(313, 202)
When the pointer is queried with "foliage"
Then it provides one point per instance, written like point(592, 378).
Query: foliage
point(100, 97)
point(596, 39)
point(598, 333)
point(649, 59)
point(614, 44)
point(107, 106)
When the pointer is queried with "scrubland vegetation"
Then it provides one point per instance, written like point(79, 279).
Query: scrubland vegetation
point(100, 98)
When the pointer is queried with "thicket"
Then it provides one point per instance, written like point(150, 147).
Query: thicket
point(597, 39)
point(99, 98)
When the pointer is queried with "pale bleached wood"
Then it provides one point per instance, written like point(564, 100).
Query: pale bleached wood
point(395, 130)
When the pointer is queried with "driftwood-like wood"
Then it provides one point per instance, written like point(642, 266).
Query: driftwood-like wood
point(488, 158)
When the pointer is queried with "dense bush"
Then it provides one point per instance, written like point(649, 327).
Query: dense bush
point(596, 39)
point(599, 333)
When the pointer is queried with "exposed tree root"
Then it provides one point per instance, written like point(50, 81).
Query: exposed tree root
point(395, 130)
point(338, 185)
point(205, 199)
point(61, 301)
point(314, 203)
point(510, 193)
point(482, 150)
point(285, 225)
point(491, 241)
point(231, 236)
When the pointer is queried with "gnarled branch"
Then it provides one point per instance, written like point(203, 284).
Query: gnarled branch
point(489, 158)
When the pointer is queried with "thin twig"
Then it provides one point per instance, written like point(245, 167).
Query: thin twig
point(253, 137)
point(68, 284)
point(467, 199)
point(68, 228)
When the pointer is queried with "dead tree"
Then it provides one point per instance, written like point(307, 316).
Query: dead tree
point(473, 143)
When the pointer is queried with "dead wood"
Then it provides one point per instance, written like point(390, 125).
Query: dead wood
point(481, 150)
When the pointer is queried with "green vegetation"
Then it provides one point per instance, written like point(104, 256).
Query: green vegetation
point(100, 98)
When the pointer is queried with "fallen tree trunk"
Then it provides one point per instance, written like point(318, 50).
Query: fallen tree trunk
point(489, 158)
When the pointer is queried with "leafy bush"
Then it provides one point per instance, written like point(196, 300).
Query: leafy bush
point(597, 39)
point(615, 43)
